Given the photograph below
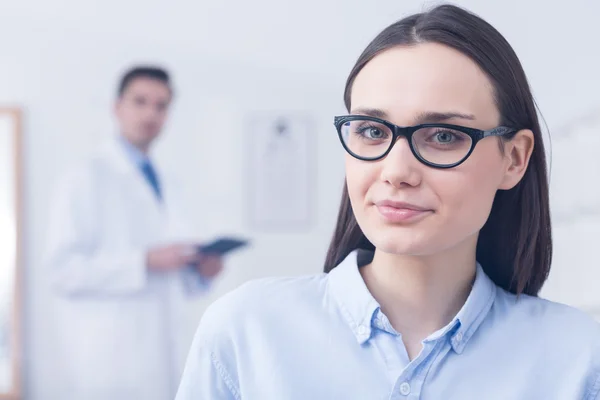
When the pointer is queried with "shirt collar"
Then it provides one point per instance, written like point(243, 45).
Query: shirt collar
point(352, 296)
point(134, 155)
point(476, 308)
point(358, 305)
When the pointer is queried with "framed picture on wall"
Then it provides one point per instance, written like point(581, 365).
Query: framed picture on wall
point(280, 171)
point(10, 253)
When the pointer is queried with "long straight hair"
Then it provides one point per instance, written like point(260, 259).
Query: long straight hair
point(515, 244)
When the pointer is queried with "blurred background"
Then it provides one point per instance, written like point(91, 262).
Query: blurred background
point(231, 60)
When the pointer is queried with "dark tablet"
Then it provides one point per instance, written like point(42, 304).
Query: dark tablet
point(222, 246)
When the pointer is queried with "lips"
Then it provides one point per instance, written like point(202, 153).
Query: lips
point(401, 212)
point(401, 205)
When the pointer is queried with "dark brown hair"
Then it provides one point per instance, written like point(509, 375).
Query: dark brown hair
point(515, 244)
point(143, 71)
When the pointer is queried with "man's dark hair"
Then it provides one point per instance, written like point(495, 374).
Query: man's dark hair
point(157, 73)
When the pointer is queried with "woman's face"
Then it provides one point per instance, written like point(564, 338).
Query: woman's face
point(403, 206)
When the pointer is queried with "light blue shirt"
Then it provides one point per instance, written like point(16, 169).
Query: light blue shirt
point(325, 337)
point(134, 155)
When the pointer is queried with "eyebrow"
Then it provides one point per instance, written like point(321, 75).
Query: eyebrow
point(433, 117)
point(422, 118)
point(371, 112)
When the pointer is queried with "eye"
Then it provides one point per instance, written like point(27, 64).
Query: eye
point(444, 137)
point(372, 132)
point(364, 132)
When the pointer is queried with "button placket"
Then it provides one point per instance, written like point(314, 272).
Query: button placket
point(362, 330)
point(405, 389)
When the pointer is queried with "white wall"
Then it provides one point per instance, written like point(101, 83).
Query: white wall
point(61, 59)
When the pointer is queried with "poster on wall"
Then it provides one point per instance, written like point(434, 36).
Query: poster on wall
point(279, 172)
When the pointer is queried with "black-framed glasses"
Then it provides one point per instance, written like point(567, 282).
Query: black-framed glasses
point(437, 145)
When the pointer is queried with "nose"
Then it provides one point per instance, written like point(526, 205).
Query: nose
point(400, 168)
point(150, 113)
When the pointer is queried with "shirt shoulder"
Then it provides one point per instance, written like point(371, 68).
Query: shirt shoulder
point(550, 317)
point(256, 304)
point(84, 168)
point(78, 177)
point(242, 332)
point(259, 296)
point(557, 333)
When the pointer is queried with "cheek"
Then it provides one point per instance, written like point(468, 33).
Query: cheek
point(162, 116)
point(130, 115)
point(468, 193)
point(466, 204)
point(360, 175)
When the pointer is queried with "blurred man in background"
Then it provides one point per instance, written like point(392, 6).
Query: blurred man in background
point(122, 258)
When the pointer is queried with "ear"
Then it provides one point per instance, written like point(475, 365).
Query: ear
point(518, 152)
point(118, 103)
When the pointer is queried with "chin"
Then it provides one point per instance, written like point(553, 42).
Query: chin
point(403, 241)
point(412, 241)
point(149, 135)
point(144, 139)
point(402, 248)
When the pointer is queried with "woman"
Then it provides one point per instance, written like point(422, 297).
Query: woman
point(442, 244)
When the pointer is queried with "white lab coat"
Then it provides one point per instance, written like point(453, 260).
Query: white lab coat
point(117, 323)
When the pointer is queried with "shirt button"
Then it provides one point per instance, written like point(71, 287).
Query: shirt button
point(405, 389)
point(459, 337)
point(362, 330)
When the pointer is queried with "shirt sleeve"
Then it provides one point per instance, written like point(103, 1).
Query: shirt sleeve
point(593, 390)
point(194, 283)
point(205, 376)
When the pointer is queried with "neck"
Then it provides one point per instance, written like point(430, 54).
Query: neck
point(141, 146)
point(421, 294)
